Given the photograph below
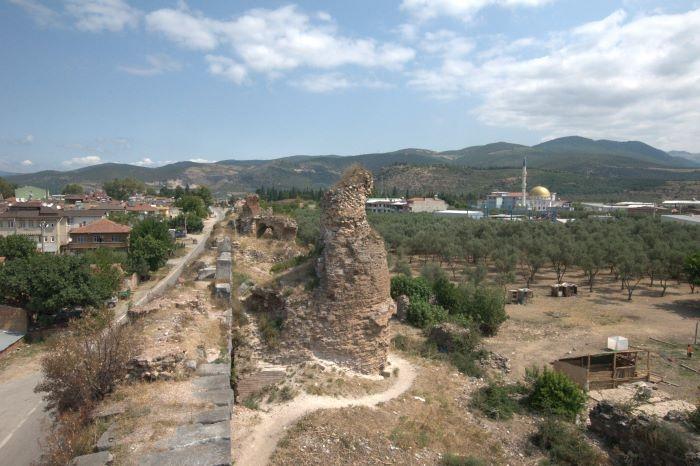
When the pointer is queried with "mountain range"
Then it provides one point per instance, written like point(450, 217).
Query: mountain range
point(570, 165)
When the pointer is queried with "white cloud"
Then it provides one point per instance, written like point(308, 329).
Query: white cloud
point(156, 64)
point(102, 15)
point(329, 82)
point(40, 13)
point(27, 163)
point(82, 161)
point(145, 162)
point(461, 9)
point(618, 78)
point(446, 43)
point(201, 160)
point(227, 68)
point(273, 41)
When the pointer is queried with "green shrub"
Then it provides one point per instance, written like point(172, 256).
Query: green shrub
point(449, 459)
point(415, 288)
point(497, 400)
point(662, 441)
point(556, 394)
point(432, 272)
point(403, 268)
point(270, 330)
point(423, 314)
point(565, 444)
point(483, 305)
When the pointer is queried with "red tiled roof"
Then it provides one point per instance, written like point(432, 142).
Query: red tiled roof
point(141, 208)
point(102, 226)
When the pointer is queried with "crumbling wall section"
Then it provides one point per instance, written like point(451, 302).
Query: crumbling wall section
point(255, 221)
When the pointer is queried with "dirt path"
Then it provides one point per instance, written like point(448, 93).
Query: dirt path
point(258, 444)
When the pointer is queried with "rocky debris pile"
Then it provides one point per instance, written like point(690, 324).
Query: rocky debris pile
point(165, 366)
point(644, 439)
point(347, 319)
point(266, 300)
point(496, 361)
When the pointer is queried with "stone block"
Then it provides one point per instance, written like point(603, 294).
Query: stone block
point(211, 454)
point(213, 416)
point(191, 435)
point(103, 458)
point(107, 440)
point(222, 397)
point(213, 369)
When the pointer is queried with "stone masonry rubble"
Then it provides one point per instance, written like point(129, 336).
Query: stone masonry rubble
point(347, 320)
point(258, 222)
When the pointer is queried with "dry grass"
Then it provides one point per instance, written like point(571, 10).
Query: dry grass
point(403, 431)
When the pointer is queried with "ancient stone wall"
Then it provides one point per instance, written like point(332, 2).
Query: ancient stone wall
point(254, 221)
point(347, 319)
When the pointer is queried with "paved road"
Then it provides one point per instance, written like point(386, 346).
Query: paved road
point(22, 414)
point(21, 417)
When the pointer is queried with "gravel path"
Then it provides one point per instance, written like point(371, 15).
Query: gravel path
point(256, 446)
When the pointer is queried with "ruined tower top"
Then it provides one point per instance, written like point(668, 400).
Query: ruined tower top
point(343, 205)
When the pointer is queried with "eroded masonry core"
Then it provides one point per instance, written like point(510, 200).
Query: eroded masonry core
point(352, 303)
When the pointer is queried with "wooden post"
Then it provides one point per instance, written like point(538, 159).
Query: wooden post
point(695, 341)
point(648, 366)
point(614, 367)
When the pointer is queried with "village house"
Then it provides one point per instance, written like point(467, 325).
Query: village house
point(102, 233)
point(44, 224)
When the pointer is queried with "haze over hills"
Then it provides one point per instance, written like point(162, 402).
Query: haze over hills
point(607, 166)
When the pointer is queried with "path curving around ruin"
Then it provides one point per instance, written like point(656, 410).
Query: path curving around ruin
point(258, 445)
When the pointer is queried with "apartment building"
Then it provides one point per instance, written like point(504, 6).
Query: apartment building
point(44, 224)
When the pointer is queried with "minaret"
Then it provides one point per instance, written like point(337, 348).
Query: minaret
point(524, 199)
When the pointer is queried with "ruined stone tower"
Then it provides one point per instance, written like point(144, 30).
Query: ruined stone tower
point(352, 303)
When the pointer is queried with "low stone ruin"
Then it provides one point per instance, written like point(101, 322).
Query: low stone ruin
point(166, 366)
point(262, 223)
point(634, 436)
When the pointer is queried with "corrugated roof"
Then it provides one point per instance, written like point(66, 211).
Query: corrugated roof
point(102, 226)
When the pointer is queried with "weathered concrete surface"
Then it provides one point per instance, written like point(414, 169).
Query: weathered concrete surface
point(191, 435)
point(213, 369)
point(222, 397)
point(213, 416)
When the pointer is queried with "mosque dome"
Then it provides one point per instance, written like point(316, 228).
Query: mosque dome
point(540, 191)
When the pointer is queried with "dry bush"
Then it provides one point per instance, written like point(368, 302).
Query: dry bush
point(71, 435)
point(85, 363)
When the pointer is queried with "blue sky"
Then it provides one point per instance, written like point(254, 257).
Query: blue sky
point(150, 82)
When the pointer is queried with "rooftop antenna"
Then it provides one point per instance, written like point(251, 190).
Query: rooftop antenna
point(524, 198)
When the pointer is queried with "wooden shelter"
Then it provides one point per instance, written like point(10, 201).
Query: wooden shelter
point(606, 370)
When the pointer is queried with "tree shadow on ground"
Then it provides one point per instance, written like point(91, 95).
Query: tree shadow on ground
point(688, 308)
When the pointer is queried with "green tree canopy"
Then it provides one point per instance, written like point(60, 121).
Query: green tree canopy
point(192, 204)
point(16, 247)
point(121, 189)
point(73, 188)
point(44, 283)
point(7, 189)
